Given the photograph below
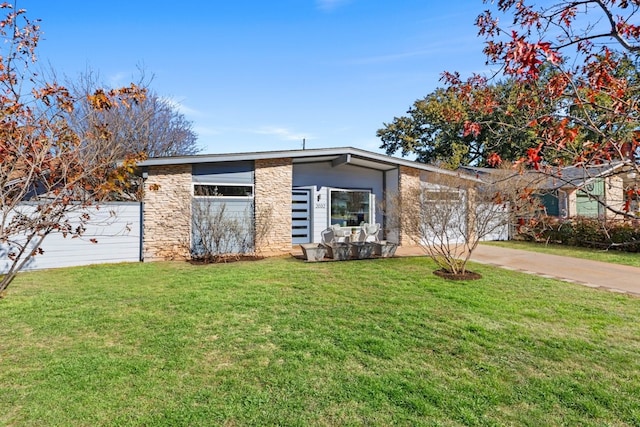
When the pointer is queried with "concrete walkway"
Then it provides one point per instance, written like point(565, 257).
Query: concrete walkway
point(613, 277)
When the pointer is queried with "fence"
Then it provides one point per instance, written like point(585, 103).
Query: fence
point(117, 227)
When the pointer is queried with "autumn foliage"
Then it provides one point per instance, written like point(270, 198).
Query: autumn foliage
point(575, 64)
point(42, 160)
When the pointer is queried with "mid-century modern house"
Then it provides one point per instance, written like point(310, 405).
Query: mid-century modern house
point(305, 192)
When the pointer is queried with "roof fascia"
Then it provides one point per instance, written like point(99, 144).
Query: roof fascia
point(297, 154)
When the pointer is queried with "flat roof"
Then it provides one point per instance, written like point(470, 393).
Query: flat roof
point(354, 156)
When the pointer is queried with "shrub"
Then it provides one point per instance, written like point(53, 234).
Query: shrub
point(221, 233)
point(584, 232)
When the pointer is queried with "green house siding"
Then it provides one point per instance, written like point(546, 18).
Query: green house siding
point(587, 199)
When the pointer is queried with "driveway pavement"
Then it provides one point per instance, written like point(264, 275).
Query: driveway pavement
point(614, 277)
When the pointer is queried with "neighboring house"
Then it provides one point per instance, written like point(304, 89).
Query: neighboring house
point(305, 191)
point(577, 190)
point(584, 191)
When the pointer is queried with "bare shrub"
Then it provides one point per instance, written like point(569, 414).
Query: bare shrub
point(219, 233)
point(449, 215)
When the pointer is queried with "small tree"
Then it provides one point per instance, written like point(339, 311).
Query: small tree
point(42, 159)
point(449, 215)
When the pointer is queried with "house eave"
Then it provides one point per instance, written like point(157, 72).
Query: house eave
point(338, 156)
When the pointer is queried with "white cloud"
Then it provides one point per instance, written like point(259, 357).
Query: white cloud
point(119, 79)
point(458, 46)
point(283, 133)
point(182, 108)
point(206, 131)
point(329, 5)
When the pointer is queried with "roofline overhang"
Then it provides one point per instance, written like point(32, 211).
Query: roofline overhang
point(298, 156)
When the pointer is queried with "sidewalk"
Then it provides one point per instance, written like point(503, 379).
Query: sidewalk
point(614, 277)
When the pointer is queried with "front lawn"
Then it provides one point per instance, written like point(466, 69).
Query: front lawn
point(282, 342)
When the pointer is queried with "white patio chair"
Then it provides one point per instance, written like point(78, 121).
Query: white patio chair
point(340, 234)
point(370, 230)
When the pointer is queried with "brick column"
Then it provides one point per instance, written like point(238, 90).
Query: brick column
point(272, 198)
point(167, 213)
point(409, 183)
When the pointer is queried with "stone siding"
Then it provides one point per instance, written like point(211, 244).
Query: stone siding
point(409, 182)
point(272, 198)
point(167, 213)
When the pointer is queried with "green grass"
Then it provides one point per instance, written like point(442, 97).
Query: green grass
point(282, 342)
point(611, 256)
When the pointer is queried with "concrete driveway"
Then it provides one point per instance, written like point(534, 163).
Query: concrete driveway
point(614, 277)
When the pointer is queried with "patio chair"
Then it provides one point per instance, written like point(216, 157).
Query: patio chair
point(340, 234)
point(327, 236)
point(370, 230)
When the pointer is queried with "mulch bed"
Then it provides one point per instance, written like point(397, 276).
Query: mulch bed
point(225, 259)
point(327, 259)
point(467, 275)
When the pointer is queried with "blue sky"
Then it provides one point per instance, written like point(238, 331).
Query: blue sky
point(258, 75)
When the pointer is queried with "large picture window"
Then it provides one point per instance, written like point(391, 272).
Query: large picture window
point(214, 190)
point(350, 207)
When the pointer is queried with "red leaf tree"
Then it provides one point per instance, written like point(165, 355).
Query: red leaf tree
point(47, 170)
point(575, 64)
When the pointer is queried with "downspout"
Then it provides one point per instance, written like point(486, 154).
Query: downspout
point(383, 205)
point(141, 244)
point(145, 175)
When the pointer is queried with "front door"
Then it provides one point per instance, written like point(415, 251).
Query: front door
point(301, 216)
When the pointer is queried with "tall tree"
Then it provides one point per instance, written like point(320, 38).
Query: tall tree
point(155, 126)
point(444, 128)
point(43, 160)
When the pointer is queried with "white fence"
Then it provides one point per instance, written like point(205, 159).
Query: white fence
point(115, 226)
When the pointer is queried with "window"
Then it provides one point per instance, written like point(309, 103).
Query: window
point(226, 190)
point(441, 196)
point(350, 208)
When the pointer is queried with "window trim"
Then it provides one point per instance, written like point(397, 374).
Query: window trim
point(219, 184)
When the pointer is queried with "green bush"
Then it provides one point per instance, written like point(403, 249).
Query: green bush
point(584, 232)
point(628, 235)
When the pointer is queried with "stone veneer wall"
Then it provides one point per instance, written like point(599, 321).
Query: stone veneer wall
point(272, 198)
point(614, 190)
point(167, 213)
point(409, 179)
